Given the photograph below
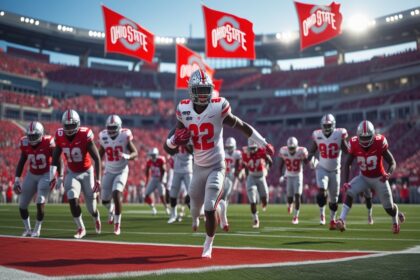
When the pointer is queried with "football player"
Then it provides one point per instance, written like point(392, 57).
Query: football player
point(330, 142)
point(256, 162)
point(182, 175)
point(155, 168)
point(76, 143)
point(293, 157)
point(201, 118)
point(116, 143)
point(37, 148)
point(369, 149)
point(233, 160)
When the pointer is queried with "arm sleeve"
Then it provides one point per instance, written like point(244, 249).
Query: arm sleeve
point(225, 108)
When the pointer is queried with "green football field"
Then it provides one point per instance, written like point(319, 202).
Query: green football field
point(276, 231)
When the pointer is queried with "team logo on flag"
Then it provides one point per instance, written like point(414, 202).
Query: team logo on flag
point(318, 23)
point(228, 35)
point(124, 36)
point(217, 87)
point(187, 61)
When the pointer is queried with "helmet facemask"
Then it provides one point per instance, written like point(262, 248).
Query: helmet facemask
point(201, 95)
point(70, 129)
point(34, 137)
point(292, 149)
point(113, 130)
point(365, 140)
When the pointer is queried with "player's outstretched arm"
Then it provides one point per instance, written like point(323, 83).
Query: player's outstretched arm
point(249, 131)
point(93, 151)
point(20, 165)
point(389, 158)
point(132, 149)
point(101, 151)
point(347, 168)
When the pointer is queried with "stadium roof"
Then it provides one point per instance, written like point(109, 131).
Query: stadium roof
point(400, 27)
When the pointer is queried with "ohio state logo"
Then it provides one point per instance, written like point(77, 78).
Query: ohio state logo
point(126, 33)
point(228, 35)
point(319, 19)
point(193, 64)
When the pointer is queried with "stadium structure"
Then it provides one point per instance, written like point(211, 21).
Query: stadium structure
point(279, 103)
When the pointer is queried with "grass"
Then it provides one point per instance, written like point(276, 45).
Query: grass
point(276, 231)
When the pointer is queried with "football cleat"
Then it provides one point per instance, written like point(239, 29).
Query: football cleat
point(333, 225)
point(81, 232)
point(172, 220)
point(179, 219)
point(168, 211)
point(117, 229)
point(295, 220)
point(195, 224)
point(256, 224)
point(207, 248)
point(341, 225)
point(401, 217)
point(110, 218)
point(289, 209)
point(396, 228)
point(322, 220)
point(98, 226)
point(27, 233)
point(264, 208)
point(370, 220)
point(35, 234)
point(154, 211)
point(226, 228)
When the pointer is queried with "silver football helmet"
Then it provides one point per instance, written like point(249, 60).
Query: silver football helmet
point(71, 122)
point(328, 124)
point(200, 87)
point(153, 153)
point(252, 146)
point(292, 144)
point(34, 132)
point(113, 125)
point(230, 145)
point(365, 133)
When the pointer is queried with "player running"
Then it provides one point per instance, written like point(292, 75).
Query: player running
point(330, 142)
point(116, 143)
point(293, 157)
point(201, 118)
point(256, 162)
point(77, 144)
point(155, 168)
point(37, 148)
point(369, 149)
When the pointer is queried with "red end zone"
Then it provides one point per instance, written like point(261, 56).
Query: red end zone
point(71, 258)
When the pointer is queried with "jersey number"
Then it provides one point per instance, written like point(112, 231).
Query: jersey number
point(204, 141)
point(38, 161)
point(255, 165)
point(73, 154)
point(368, 163)
point(293, 165)
point(330, 151)
point(113, 154)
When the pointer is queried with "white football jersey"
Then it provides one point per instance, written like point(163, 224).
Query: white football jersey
point(206, 129)
point(114, 163)
point(330, 148)
point(294, 163)
point(230, 160)
point(183, 161)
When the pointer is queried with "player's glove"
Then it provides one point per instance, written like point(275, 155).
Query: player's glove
point(16, 186)
point(346, 186)
point(59, 182)
point(385, 177)
point(269, 149)
point(281, 179)
point(125, 156)
point(97, 186)
point(182, 136)
point(313, 163)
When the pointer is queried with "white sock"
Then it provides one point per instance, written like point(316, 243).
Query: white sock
point(38, 226)
point(209, 239)
point(79, 222)
point(117, 219)
point(296, 213)
point(370, 211)
point(223, 217)
point(255, 216)
point(111, 207)
point(345, 210)
point(97, 218)
point(395, 218)
point(322, 211)
point(174, 211)
point(27, 224)
point(332, 215)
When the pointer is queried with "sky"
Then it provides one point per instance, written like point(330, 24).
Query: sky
point(184, 17)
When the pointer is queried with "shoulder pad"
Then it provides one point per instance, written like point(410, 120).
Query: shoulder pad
point(185, 101)
point(24, 141)
point(216, 100)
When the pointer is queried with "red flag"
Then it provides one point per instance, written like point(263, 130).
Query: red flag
point(124, 36)
point(318, 23)
point(228, 35)
point(217, 87)
point(187, 62)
